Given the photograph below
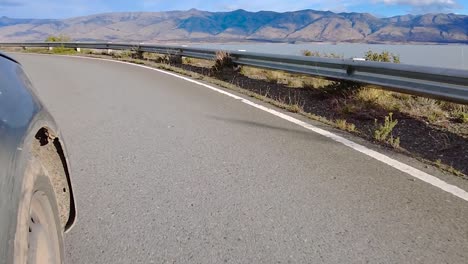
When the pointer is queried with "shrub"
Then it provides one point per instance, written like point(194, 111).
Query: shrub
point(187, 60)
point(462, 117)
point(309, 53)
point(222, 61)
point(344, 125)
point(294, 108)
point(59, 38)
point(384, 132)
point(61, 49)
point(123, 54)
point(384, 56)
point(273, 76)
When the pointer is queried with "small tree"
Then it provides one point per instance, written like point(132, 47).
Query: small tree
point(60, 49)
point(59, 38)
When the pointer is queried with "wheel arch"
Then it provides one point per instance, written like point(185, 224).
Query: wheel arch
point(48, 147)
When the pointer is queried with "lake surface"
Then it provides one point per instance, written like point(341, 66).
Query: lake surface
point(447, 56)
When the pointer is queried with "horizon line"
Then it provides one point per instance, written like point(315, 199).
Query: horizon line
point(240, 9)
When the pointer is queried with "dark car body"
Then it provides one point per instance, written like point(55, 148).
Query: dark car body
point(24, 121)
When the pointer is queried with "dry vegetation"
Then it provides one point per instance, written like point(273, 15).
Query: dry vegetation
point(431, 130)
point(309, 53)
point(425, 128)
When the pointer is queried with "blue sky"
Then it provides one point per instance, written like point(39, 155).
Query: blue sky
point(71, 8)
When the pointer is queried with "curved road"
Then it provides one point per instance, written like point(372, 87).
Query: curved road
point(167, 171)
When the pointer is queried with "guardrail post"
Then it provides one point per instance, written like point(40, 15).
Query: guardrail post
point(176, 58)
point(108, 51)
point(77, 48)
point(350, 70)
point(224, 64)
point(432, 82)
point(138, 55)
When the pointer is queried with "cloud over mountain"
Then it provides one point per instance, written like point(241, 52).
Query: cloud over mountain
point(426, 6)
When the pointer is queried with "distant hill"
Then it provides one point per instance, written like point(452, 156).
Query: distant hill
point(201, 26)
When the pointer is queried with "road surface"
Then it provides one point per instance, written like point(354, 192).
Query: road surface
point(168, 171)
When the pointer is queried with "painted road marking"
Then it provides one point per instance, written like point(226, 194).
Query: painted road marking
point(423, 176)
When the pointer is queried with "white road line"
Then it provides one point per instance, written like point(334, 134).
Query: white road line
point(425, 177)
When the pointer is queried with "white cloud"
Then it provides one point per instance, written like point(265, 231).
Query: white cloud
point(421, 2)
point(425, 6)
point(281, 5)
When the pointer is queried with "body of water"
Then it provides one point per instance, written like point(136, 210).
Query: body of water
point(447, 56)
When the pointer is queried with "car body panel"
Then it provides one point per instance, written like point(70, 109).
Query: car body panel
point(22, 115)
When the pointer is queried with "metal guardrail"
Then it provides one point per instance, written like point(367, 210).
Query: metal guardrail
point(433, 82)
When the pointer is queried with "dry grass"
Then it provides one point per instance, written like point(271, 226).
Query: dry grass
point(256, 73)
point(433, 111)
point(344, 125)
point(438, 163)
point(363, 99)
point(122, 54)
point(198, 62)
point(287, 79)
point(315, 83)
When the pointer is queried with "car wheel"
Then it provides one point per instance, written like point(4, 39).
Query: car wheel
point(39, 236)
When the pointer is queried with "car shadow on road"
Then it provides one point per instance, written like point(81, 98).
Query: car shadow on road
point(419, 138)
point(300, 132)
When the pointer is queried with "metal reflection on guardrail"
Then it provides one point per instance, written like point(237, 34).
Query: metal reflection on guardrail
point(433, 82)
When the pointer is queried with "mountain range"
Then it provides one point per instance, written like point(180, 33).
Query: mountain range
point(240, 25)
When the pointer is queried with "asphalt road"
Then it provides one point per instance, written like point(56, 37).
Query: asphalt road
point(166, 171)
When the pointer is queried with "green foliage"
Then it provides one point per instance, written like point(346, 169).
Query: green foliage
point(309, 53)
point(384, 56)
point(384, 132)
point(462, 117)
point(123, 54)
point(61, 49)
point(273, 76)
point(342, 88)
point(187, 60)
point(243, 70)
point(59, 38)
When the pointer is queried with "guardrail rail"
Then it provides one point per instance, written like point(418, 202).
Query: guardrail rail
point(438, 83)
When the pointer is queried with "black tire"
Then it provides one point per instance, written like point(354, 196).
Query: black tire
point(39, 236)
